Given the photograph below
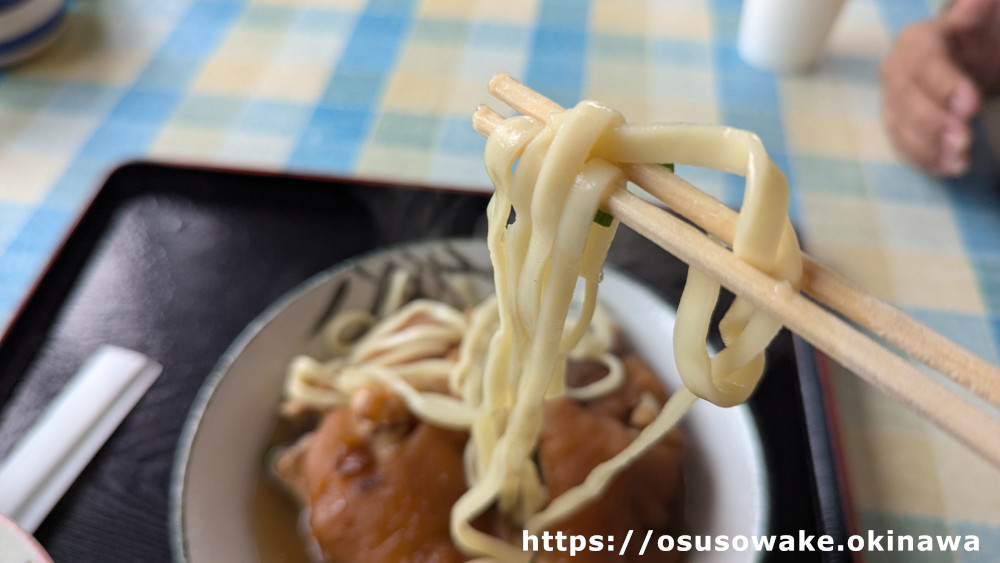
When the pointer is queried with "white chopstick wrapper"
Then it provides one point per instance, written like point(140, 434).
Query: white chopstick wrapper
point(43, 465)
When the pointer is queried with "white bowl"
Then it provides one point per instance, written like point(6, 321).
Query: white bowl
point(234, 415)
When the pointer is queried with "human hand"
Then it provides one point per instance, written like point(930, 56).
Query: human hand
point(934, 80)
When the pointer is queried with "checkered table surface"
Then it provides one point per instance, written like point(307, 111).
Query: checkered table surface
point(385, 89)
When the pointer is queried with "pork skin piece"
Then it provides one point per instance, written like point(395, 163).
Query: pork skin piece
point(646, 495)
point(382, 495)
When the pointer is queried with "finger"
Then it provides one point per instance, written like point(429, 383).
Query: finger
point(965, 99)
point(922, 55)
point(956, 140)
point(948, 86)
point(925, 132)
point(929, 155)
point(972, 32)
point(911, 106)
point(916, 148)
point(969, 15)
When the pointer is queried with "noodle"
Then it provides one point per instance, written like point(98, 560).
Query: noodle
point(512, 349)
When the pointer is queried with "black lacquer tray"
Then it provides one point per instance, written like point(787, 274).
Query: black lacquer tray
point(174, 262)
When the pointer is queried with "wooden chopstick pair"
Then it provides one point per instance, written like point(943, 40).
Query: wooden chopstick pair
point(829, 333)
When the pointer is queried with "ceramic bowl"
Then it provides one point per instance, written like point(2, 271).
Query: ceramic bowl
point(232, 420)
point(27, 27)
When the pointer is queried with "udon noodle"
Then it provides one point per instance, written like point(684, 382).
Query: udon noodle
point(550, 180)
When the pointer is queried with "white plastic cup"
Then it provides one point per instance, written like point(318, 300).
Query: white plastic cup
point(785, 35)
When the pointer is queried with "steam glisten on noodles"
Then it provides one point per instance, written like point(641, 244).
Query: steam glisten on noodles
point(486, 379)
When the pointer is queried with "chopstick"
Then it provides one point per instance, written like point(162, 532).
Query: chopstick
point(827, 287)
point(825, 330)
point(43, 465)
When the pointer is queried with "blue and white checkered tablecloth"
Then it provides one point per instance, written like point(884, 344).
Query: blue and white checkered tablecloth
point(385, 89)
